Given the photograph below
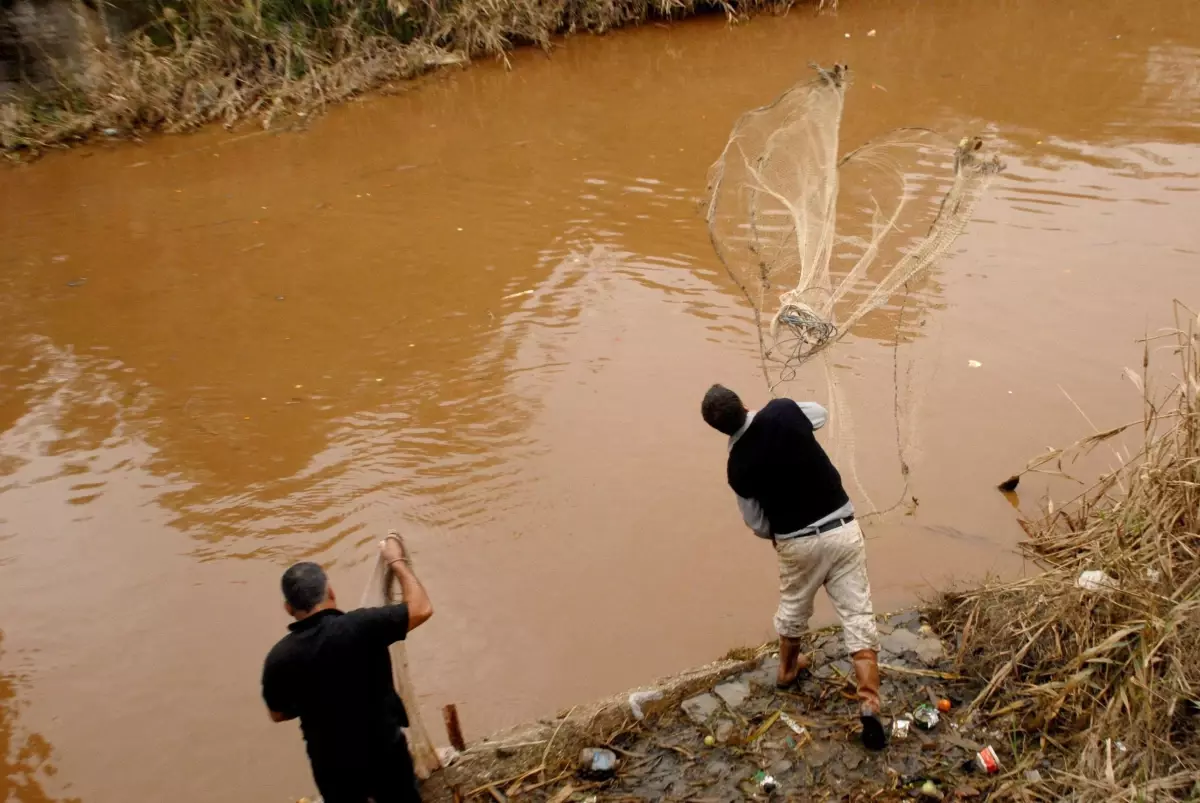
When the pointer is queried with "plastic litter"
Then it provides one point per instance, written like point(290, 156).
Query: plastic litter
point(639, 698)
point(974, 364)
point(111, 132)
point(987, 760)
point(796, 727)
point(926, 716)
point(900, 728)
point(871, 32)
point(765, 782)
point(1095, 580)
point(598, 762)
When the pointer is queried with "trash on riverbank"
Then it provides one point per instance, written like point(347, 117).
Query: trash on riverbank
point(727, 733)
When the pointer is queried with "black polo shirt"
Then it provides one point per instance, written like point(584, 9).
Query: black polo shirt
point(334, 672)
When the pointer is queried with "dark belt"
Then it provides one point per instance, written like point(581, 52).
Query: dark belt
point(824, 528)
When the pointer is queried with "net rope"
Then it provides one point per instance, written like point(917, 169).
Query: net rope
point(776, 193)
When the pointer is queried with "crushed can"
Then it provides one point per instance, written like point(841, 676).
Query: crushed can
point(926, 717)
point(987, 760)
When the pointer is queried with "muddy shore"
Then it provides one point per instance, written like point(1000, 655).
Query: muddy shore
point(723, 732)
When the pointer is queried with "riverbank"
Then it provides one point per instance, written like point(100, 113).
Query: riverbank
point(1083, 681)
point(82, 70)
point(717, 733)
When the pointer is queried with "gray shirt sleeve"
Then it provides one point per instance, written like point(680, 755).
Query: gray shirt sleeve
point(754, 516)
point(817, 414)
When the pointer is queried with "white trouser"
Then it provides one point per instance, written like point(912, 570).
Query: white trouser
point(836, 559)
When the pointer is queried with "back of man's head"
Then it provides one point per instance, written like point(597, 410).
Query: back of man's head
point(723, 410)
point(304, 587)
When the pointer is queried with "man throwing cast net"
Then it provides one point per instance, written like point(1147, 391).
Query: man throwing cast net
point(772, 223)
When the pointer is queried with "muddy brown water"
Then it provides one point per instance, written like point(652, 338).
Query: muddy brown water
point(484, 311)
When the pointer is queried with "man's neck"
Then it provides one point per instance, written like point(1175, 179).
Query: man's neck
point(327, 605)
point(742, 429)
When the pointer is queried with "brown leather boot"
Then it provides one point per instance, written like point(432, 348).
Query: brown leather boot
point(866, 672)
point(792, 662)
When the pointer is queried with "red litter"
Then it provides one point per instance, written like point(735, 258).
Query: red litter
point(987, 760)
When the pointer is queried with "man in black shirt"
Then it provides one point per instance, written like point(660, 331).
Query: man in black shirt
point(789, 491)
point(334, 672)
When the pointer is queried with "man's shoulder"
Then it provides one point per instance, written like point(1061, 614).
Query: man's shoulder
point(283, 651)
point(782, 405)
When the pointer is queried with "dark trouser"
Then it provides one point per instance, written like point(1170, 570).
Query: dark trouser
point(383, 776)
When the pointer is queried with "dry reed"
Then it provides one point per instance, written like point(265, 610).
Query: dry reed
point(1098, 689)
point(203, 61)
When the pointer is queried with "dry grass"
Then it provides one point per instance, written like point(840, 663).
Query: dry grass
point(205, 61)
point(1100, 690)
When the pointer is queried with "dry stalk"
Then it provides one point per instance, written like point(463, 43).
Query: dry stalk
point(1104, 685)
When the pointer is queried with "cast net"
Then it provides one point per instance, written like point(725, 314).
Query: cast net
point(773, 208)
point(817, 240)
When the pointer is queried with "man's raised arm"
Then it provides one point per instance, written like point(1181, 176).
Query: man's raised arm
point(415, 596)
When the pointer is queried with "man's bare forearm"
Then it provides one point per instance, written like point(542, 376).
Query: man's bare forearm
point(419, 606)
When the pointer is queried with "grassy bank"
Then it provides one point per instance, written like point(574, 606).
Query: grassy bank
point(185, 63)
point(1095, 680)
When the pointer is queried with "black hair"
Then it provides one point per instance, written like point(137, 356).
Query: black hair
point(723, 410)
point(304, 586)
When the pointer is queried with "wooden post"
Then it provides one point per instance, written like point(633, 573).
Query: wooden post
point(453, 728)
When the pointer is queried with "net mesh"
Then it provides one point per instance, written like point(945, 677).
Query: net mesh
point(775, 199)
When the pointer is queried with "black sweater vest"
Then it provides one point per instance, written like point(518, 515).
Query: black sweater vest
point(778, 462)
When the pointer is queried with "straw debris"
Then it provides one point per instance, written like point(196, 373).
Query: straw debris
point(1096, 679)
